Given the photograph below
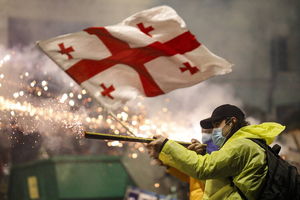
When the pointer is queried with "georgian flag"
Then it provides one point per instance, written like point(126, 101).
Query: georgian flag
point(150, 53)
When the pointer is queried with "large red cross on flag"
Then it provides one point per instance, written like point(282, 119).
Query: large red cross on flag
point(150, 53)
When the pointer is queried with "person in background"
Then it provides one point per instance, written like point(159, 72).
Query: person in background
point(238, 169)
point(196, 187)
point(207, 139)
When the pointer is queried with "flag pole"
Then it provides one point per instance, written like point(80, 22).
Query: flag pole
point(105, 136)
point(119, 121)
point(132, 138)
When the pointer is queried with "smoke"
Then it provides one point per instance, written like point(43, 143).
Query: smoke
point(184, 108)
point(36, 96)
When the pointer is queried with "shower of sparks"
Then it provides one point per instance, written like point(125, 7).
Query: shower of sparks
point(69, 109)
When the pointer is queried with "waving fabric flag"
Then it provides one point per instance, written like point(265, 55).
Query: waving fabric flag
point(150, 53)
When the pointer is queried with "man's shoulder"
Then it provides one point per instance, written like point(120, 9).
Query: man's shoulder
point(245, 150)
point(243, 143)
point(238, 141)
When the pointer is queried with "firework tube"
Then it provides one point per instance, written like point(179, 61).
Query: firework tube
point(104, 136)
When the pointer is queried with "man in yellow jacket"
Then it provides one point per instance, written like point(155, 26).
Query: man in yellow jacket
point(238, 169)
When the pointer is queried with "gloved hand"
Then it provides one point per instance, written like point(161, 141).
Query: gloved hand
point(197, 147)
point(155, 146)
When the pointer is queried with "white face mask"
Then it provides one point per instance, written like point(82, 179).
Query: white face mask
point(206, 137)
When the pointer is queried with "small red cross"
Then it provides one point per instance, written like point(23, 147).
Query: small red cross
point(66, 51)
point(144, 29)
point(106, 91)
point(192, 70)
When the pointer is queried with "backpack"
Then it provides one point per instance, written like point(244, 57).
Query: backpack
point(282, 179)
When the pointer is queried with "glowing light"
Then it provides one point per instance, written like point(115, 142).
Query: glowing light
point(39, 93)
point(71, 103)
point(88, 119)
point(1, 76)
point(141, 149)
point(16, 95)
point(134, 155)
point(83, 92)
point(21, 93)
point(79, 96)
point(156, 185)
point(112, 127)
point(32, 113)
point(26, 74)
point(44, 83)
point(124, 116)
point(134, 123)
point(5, 59)
point(125, 108)
point(71, 94)
point(115, 143)
point(45, 88)
point(63, 98)
point(32, 84)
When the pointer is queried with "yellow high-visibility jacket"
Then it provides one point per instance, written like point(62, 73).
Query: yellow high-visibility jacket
point(239, 158)
point(196, 186)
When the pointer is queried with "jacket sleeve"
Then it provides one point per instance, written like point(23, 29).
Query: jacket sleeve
point(226, 162)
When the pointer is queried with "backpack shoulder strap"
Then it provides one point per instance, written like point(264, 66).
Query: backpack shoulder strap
point(260, 142)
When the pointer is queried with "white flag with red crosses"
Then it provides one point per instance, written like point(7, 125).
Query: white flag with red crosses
point(150, 53)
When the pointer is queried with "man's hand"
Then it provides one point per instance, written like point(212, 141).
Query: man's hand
point(155, 146)
point(197, 147)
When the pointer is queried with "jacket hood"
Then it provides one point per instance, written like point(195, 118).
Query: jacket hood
point(267, 131)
